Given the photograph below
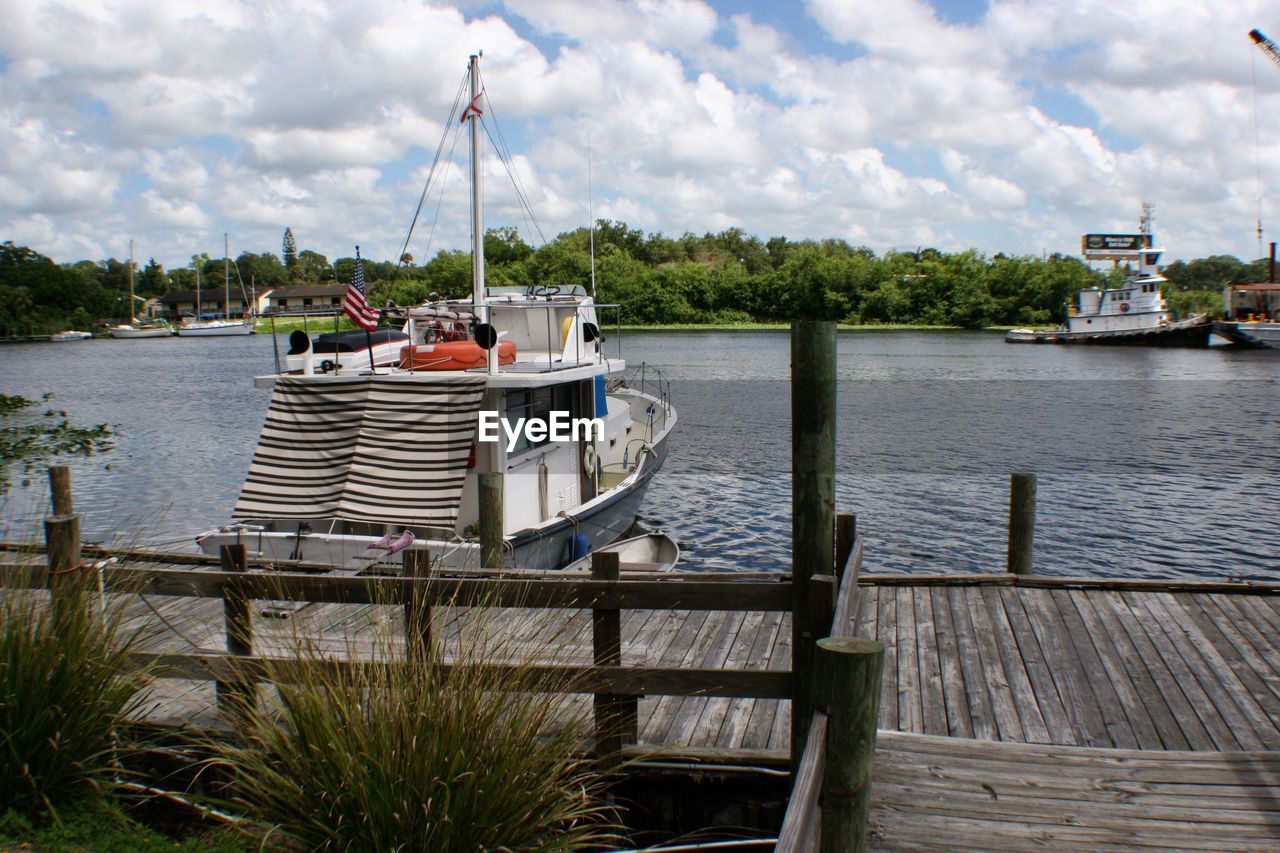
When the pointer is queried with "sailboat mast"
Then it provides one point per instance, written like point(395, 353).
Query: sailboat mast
point(226, 277)
point(131, 318)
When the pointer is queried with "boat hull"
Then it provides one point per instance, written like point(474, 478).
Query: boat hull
point(1249, 335)
point(136, 332)
point(1190, 334)
point(215, 330)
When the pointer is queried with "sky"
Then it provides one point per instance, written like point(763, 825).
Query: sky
point(1009, 126)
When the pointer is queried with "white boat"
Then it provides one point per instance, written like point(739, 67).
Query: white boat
point(137, 328)
point(338, 351)
point(71, 335)
point(141, 330)
point(224, 327)
point(649, 552)
point(357, 464)
point(1134, 314)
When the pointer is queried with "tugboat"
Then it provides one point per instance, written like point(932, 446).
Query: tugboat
point(1134, 314)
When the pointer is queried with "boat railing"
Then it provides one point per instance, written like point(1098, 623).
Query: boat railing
point(323, 316)
point(648, 379)
point(552, 358)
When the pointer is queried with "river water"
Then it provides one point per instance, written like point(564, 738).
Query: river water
point(1150, 462)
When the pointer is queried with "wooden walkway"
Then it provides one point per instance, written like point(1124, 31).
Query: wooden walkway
point(1049, 664)
point(935, 793)
point(1015, 713)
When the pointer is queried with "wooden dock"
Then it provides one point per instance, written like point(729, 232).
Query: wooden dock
point(994, 658)
point(1014, 711)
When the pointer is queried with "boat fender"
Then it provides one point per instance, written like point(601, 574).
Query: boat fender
point(589, 459)
point(1124, 306)
point(564, 331)
point(581, 547)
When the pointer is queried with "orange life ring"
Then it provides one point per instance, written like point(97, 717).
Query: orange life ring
point(1124, 306)
point(453, 355)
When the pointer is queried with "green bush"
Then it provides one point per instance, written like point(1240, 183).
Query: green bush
point(66, 687)
point(414, 757)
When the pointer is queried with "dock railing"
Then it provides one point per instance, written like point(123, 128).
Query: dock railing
point(616, 685)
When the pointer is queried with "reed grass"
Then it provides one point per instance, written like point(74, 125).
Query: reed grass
point(406, 753)
point(66, 688)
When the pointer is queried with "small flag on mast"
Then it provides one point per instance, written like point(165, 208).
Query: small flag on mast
point(473, 108)
point(355, 304)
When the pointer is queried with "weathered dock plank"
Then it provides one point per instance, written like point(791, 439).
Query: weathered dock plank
point(932, 793)
point(1187, 667)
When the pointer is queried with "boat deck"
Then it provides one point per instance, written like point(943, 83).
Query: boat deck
point(987, 660)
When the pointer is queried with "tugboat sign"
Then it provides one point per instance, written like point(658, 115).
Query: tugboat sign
point(1119, 247)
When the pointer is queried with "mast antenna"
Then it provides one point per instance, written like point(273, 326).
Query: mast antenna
point(591, 214)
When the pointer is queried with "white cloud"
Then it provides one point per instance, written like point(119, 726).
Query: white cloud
point(175, 120)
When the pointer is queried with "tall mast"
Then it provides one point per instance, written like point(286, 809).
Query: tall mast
point(477, 215)
point(226, 277)
point(472, 115)
point(131, 283)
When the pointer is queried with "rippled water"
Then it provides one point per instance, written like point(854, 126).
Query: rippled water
point(1150, 462)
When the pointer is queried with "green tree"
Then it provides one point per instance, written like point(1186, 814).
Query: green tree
point(289, 249)
point(152, 281)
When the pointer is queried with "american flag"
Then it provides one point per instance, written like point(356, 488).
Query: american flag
point(355, 303)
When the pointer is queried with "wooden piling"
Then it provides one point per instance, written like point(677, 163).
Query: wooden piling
point(813, 462)
point(60, 490)
point(491, 517)
point(616, 717)
point(417, 613)
point(236, 698)
point(1022, 522)
point(847, 688)
point(62, 538)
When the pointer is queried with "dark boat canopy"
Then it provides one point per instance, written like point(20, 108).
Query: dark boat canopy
point(356, 340)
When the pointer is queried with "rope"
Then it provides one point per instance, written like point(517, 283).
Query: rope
point(426, 187)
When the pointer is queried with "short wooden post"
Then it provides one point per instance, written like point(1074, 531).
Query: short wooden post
point(848, 672)
point(616, 716)
point(417, 613)
point(60, 490)
point(238, 697)
point(491, 516)
point(813, 466)
point(822, 602)
point(62, 540)
point(1022, 522)
point(846, 536)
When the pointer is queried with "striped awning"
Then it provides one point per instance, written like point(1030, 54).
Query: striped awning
point(382, 449)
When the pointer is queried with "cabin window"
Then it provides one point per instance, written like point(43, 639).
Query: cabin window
point(283, 303)
point(537, 403)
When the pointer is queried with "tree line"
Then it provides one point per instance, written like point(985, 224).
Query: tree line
point(725, 277)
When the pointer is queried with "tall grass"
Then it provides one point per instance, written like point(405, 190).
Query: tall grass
point(410, 756)
point(66, 687)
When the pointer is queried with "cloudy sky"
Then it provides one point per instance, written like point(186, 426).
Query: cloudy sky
point(1010, 125)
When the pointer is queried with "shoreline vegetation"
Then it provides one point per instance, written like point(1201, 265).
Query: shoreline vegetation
point(725, 280)
point(321, 324)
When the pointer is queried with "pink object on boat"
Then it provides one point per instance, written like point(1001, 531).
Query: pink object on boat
point(405, 540)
